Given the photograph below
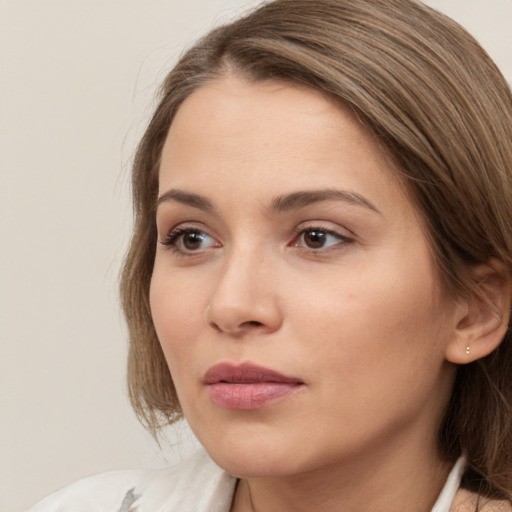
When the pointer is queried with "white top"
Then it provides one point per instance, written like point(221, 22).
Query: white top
point(197, 485)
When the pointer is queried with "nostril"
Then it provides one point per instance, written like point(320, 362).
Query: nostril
point(253, 323)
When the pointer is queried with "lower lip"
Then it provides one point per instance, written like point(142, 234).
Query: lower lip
point(250, 395)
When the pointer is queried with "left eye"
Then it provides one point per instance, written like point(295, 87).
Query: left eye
point(316, 238)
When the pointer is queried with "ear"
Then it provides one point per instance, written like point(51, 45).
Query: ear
point(482, 318)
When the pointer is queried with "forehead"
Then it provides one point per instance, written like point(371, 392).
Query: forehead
point(272, 137)
point(235, 109)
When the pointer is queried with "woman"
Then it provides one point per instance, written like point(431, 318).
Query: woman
point(319, 278)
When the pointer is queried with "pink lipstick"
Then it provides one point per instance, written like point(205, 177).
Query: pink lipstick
point(247, 386)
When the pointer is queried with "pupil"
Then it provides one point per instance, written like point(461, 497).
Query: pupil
point(192, 240)
point(314, 239)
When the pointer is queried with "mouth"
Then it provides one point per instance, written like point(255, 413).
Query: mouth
point(247, 386)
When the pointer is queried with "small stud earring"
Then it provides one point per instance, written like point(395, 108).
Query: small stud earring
point(468, 350)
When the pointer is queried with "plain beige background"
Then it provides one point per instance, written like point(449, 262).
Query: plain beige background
point(77, 78)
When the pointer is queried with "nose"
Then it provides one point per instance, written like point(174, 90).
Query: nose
point(245, 299)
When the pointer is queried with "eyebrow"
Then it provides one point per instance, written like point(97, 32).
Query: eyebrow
point(282, 203)
point(186, 198)
point(301, 199)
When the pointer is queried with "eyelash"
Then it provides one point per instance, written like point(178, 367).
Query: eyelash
point(301, 231)
point(175, 238)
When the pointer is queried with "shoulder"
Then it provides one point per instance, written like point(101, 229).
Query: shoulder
point(466, 501)
point(196, 484)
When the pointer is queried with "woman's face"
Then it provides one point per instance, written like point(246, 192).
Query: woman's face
point(293, 292)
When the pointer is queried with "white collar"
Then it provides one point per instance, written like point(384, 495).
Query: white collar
point(451, 486)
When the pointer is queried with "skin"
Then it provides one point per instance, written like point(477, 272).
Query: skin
point(360, 318)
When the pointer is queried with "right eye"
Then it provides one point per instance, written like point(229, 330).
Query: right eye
point(189, 240)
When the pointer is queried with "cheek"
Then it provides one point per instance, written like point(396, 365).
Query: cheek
point(378, 321)
point(376, 357)
point(177, 311)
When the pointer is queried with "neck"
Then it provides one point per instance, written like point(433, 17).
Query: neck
point(386, 482)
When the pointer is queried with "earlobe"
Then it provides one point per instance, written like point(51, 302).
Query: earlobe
point(482, 318)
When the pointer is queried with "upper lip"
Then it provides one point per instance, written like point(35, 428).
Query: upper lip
point(245, 373)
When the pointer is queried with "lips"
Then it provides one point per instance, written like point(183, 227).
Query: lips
point(247, 386)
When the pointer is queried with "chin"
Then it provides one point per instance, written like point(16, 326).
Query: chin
point(254, 455)
point(252, 465)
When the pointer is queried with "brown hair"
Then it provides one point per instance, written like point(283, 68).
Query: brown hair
point(440, 106)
